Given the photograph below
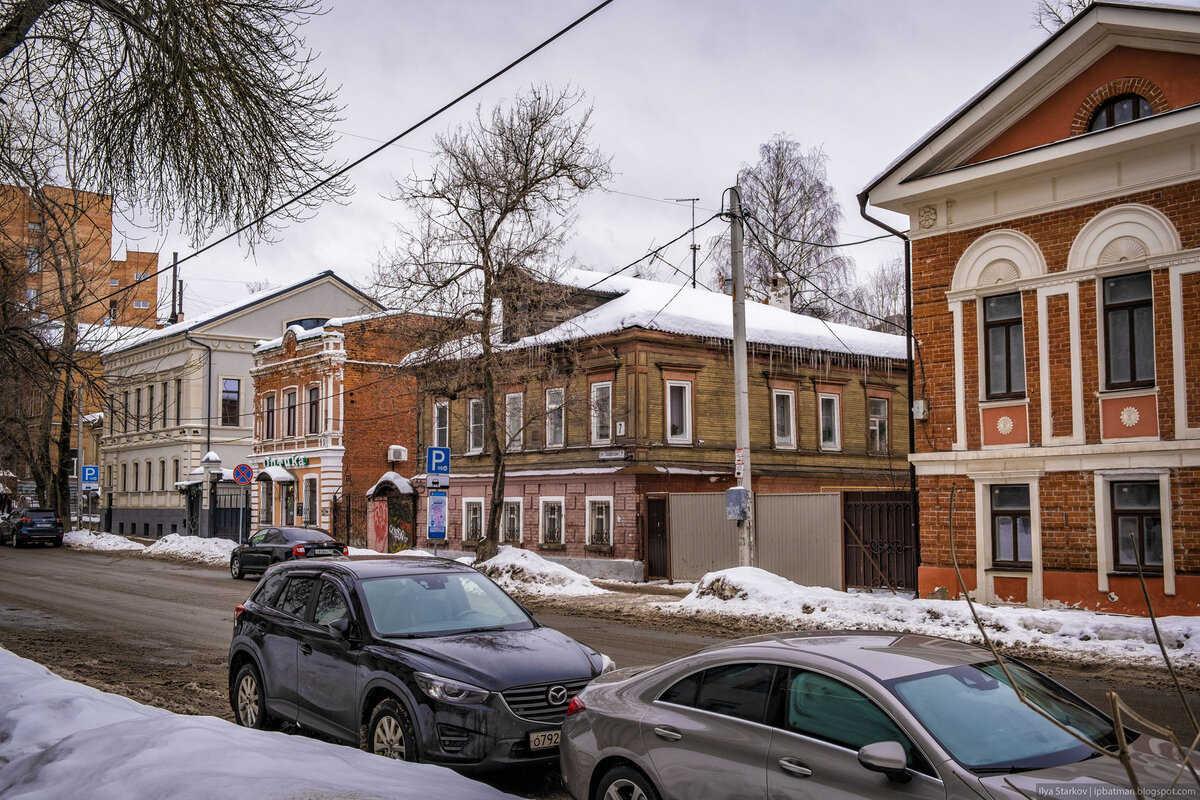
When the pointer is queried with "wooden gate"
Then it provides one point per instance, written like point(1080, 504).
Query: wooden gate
point(880, 539)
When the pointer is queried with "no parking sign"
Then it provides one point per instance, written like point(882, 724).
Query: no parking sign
point(243, 474)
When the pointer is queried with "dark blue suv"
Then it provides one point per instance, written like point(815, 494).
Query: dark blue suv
point(32, 525)
point(411, 658)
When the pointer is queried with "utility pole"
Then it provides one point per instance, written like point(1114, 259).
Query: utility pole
point(695, 247)
point(171, 320)
point(746, 546)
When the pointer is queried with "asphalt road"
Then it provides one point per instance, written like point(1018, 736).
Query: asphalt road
point(159, 632)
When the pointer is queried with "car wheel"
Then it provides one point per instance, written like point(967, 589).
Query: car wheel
point(390, 732)
point(624, 783)
point(250, 700)
point(13, 541)
point(235, 568)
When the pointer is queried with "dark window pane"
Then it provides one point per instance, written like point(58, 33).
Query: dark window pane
point(1024, 540)
point(1153, 554)
point(1144, 109)
point(1127, 288)
point(1143, 343)
point(684, 692)
point(268, 590)
point(1011, 498)
point(1123, 111)
point(1127, 531)
point(997, 361)
point(295, 596)
point(331, 605)
point(1118, 347)
point(1004, 538)
point(1003, 307)
point(1136, 496)
point(738, 690)
point(826, 709)
point(1016, 359)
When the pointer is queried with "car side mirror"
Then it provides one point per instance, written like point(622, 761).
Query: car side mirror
point(888, 758)
point(340, 627)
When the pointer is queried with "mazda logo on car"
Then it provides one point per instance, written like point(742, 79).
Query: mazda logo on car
point(556, 695)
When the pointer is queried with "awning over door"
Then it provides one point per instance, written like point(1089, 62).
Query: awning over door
point(276, 474)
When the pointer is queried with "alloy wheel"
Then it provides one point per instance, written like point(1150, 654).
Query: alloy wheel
point(622, 789)
point(388, 740)
point(247, 701)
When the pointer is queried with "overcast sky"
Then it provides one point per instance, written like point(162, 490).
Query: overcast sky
point(683, 92)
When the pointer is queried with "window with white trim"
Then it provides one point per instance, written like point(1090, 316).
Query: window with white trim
point(601, 396)
point(510, 521)
point(783, 402)
point(231, 394)
point(556, 418)
point(1137, 525)
point(550, 529)
point(441, 424)
point(831, 424)
point(290, 413)
point(141, 304)
point(475, 425)
point(514, 420)
point(1129, 331)
point(679, 412)
point(472, 519)
point(599, 521)
point(1012, 536)
point(878, 414)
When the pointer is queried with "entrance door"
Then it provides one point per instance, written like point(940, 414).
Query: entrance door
point(289, 504)
point(658, 551)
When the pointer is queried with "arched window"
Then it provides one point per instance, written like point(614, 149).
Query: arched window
point(1119, 110)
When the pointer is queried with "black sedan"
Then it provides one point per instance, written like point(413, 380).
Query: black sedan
point(269, 546)
point(410, 658)
point(32, 525)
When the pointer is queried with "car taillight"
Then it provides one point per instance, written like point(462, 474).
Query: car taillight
point(345, 549)
point(237, 612)
point(298, 550)
point(58, 520)
point(575, 706)
point(26, 519)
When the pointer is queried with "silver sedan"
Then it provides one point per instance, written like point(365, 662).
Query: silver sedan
point(829, 715)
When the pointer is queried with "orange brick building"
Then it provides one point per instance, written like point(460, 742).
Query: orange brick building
point(47, 232)
point(330, 406)
point(1055, 264)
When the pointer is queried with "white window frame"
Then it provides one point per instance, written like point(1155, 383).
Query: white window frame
point(596, 416)
point(514, 421)
point(510, 502)
point(788, 442)
point(441, 427)
point(473, 446)
point(837, 420)
point(887, 425)
point(556, 410)
point(561, 502)
point(591, 501)
point(686, 436)
point(469, 501)
point(141, 304)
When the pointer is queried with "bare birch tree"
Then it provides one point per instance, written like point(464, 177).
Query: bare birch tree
point(1050, 15)
point(492, 218)
point(792, 216)
point(878, 299)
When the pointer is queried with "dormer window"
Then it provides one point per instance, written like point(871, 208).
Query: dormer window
point(1119, 110)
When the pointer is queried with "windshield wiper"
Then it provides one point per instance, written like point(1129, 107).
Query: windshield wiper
point(1011, 769)
point(486, 629)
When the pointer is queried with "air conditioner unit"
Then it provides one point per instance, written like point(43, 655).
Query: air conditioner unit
point(397, 453)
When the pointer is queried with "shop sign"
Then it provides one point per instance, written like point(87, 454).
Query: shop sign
point(287, 461)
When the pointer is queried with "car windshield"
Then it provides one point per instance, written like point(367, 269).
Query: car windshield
point(306, 535)
point(975, 714)
point(439, 604)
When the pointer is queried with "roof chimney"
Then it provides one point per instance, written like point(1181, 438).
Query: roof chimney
point(780, 295)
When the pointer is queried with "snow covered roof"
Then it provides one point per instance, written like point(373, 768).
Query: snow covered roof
point(276, 474)
point(659, 306)
point(226, 310)
point(393, 480)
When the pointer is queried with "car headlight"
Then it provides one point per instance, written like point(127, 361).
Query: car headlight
point(449, 691)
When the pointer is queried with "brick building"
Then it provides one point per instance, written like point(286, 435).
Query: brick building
point(1055, 262)
point(642, 408)
point(330, 406)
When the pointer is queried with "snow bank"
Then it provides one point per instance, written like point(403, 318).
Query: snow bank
point(191, 548)
point(524, 571)
point(412, 551)
point(62, 739)
point(86, 540)
point(748, 591)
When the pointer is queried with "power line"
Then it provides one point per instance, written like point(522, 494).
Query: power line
point(370, 154)
point(652, 253)
point(778, 235)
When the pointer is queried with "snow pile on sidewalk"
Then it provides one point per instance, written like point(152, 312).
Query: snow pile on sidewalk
point(747, 591)
point(191, 548)
point(524, 571)
point(62, 739)
point(86, 540)
point(412, 551)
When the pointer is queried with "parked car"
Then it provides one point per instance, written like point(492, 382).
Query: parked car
point(268, 546)
point(842, 714)
point(32, 525)
point(413, 658)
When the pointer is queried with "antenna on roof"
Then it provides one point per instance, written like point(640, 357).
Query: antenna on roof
point(695, 247)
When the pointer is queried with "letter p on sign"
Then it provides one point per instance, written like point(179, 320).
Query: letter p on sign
point(437, 460)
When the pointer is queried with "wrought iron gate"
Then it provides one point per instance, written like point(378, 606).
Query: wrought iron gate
point(880, 539)
point(231, 513)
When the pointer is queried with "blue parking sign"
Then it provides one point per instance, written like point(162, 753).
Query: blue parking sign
point(437, 460)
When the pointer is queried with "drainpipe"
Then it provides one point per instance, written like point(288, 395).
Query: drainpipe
point(863, 199)
point(208, 392)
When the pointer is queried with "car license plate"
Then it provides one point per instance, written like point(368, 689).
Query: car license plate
point(321, 553)
point(541, 740)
